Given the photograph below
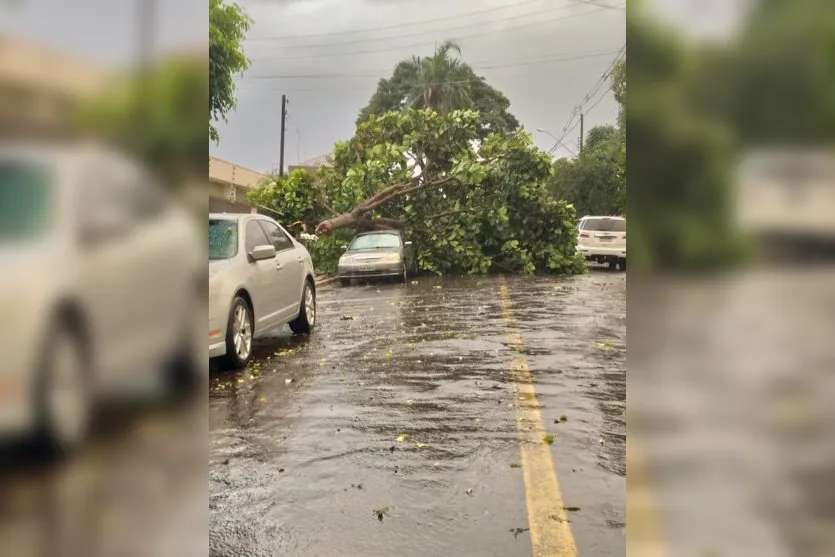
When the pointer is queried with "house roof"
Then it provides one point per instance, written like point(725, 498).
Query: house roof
point(321, 160)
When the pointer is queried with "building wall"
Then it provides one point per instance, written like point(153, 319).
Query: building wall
point(228, 184)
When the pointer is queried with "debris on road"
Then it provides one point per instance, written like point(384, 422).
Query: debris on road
point(517, 531)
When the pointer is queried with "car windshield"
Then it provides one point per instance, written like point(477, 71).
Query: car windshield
point(25, 200)
point(375, 241)
point(223, 239)
point(605, 225)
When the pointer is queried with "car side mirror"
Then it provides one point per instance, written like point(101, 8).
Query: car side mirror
point(259, 253)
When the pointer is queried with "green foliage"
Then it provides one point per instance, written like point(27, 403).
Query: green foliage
point(444, 83)
point(227, 26)
point(291, 200)
point(477, 207)
point(594, 183)
point(680, 162)
point(153, 116)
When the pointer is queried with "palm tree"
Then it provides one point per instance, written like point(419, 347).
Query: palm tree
point(440, 81)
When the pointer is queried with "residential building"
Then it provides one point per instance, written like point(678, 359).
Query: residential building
point(39, 89)
point(312, 165)
point(228, 184)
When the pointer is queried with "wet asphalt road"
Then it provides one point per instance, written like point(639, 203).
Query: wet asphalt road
point(402, 402)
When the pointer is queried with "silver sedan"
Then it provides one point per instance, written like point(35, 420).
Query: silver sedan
point(259, 278)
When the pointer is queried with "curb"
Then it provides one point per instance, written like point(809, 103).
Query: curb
point(325, 281)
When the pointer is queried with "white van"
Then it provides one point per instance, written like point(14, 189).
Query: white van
point(603, 240)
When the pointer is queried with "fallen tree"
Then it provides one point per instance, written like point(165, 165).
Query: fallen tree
point(470, 205)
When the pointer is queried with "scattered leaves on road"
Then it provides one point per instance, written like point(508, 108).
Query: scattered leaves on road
point(402, 437)
point(549, 439)
point(561, 419)
point(348, 318)
point(421, 445)
point(515, 465)
point(263, 400)
point(381, 513)
point(603, 345)
point(571, 509)
point(469, 491)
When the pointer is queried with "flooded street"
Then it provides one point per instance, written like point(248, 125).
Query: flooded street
point(395, 429)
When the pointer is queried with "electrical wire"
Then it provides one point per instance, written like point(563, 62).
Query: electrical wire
point(432, 42)
point(428, 31)
point(401, 25)
point(475, 67)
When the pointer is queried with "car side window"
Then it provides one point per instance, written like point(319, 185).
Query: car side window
point(277, 237)
point(255, 236)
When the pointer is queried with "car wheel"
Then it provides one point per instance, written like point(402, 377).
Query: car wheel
point(64, 401)
point(239, 333)
point(306, 320)
point(622, 263)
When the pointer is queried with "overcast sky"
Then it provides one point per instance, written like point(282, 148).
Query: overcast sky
point(545, 55)
point(105, 32)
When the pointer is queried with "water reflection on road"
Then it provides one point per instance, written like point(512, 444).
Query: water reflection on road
point(392, 430)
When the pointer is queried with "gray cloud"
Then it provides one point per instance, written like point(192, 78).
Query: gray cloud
point(544, 55)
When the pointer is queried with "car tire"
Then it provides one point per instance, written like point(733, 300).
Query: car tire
point(622, 263)
point(304, 323)
point(239, 333)
point(63, 394)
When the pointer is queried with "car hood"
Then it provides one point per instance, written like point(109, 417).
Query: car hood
point(371, 253)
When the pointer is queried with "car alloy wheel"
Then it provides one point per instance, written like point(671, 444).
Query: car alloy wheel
point(242, 332)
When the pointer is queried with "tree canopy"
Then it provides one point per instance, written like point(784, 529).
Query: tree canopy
point(443, 82)
point(228, 25)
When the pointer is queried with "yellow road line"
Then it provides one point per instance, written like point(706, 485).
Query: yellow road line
point(643, 531)
point(549, 528)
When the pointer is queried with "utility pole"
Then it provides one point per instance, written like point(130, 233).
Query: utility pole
point(145, 54)
point(581, 132)
point(283, 120)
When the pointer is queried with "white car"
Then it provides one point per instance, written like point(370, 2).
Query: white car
point(102, 278)
point(260, 278)
point(603, 240)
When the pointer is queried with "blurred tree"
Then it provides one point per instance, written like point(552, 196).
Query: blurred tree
point(227, 26)
point(172, 137)
point(444, 83)
point(680, 160)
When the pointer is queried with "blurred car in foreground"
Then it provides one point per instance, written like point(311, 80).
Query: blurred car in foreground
point(603, 240)
point(100, 280)
point(378, 254)
point(259, 278)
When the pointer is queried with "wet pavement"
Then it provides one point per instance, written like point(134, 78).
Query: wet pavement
point(393, 429)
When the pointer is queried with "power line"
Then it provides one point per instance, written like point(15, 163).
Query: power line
point(428, 31)
point(529, 72)
point(398, 25)
point(383, 73)
point(432, 42)
point(588, 96)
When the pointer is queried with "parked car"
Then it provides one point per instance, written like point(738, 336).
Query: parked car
point(603, 240)
point(259, 278)
point(102, 279)
point(376, 255)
